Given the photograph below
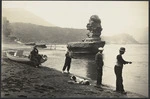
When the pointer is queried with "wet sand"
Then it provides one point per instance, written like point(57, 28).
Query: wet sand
point(21, 80)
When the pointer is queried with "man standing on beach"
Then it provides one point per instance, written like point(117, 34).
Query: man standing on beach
point(99, 63)
point(67, 62)
point(118, 71)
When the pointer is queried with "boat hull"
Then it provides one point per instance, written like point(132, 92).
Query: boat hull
point(22, 59)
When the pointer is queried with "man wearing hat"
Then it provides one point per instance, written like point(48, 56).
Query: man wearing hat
point(99, 63)
point(118, 70)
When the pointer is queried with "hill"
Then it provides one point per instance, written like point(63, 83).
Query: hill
point(21, 15)
point(120, 39)
point(27, 32)
point(141, 34)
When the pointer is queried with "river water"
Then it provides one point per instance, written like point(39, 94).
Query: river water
point(135, 75)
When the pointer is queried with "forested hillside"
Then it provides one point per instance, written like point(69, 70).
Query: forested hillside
point(36, 33)
point(27, 32)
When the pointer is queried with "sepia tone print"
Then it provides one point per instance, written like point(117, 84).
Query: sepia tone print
point(74, 49)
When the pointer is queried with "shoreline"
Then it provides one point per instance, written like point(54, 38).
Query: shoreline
point(21, 80)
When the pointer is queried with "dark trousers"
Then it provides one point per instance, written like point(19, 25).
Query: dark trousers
point(67, 64)
point(119, 79)
point(99, 75)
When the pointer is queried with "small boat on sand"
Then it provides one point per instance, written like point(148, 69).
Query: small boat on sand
point(19, 57)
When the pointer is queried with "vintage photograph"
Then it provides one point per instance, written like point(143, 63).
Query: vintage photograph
point(75, 49)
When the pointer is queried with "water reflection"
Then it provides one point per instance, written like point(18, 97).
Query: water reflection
point(91, 69)
point(90, 65)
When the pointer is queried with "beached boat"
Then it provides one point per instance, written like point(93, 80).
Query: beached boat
point(19, 57)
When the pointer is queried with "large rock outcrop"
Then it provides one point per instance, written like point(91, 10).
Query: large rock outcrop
point(91, 44)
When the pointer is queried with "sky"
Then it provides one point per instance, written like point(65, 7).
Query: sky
point(116, 16)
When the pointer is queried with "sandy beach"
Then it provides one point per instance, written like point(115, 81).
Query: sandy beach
point(21, 80)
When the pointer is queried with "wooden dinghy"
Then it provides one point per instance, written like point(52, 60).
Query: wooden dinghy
point(19, 57)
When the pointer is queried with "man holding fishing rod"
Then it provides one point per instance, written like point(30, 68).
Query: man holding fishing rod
point(99, 63)
point(118, 71)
